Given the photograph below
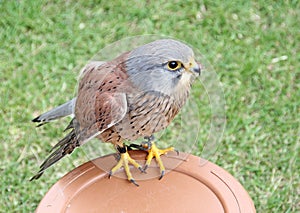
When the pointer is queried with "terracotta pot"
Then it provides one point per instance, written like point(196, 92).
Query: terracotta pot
point(190, 185)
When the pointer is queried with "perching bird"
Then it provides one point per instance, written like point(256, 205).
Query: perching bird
point(134, 95)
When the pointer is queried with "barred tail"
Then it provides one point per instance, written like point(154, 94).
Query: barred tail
point(62, 148)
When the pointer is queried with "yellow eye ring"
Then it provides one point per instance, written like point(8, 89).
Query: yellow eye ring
point(174, 65)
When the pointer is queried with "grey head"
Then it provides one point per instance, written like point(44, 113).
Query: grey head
point(166, 66)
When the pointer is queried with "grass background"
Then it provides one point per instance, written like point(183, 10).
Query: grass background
point(253, 47)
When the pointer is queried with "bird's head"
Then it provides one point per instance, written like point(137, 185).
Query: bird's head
point(166, 66)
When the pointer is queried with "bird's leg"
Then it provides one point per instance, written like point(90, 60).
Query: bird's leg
point(124, 161)
point(154, 152)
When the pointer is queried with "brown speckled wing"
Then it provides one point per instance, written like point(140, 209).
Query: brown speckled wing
point(101, 100)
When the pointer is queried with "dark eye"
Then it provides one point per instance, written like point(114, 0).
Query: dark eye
point(174, 65)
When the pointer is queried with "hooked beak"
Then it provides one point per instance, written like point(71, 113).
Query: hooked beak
point(196, 69)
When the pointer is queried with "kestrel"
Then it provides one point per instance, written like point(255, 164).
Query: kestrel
point(132, 96)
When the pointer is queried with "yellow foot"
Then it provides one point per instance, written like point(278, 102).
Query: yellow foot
point(154, 152)
point(124, 161)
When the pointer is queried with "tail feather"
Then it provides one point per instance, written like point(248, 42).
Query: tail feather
point(66, 140)
point(61, 149)
point(56, 113)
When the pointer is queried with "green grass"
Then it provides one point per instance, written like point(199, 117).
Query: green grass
point(41, 44)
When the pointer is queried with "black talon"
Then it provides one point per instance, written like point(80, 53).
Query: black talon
point(109, 175)
point(145, 168)
point(142, 170)
point(162, 174)
point(133, 181)
point(177, 152)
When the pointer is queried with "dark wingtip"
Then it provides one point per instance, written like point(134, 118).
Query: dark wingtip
point(37, 176)
point(37, 119)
